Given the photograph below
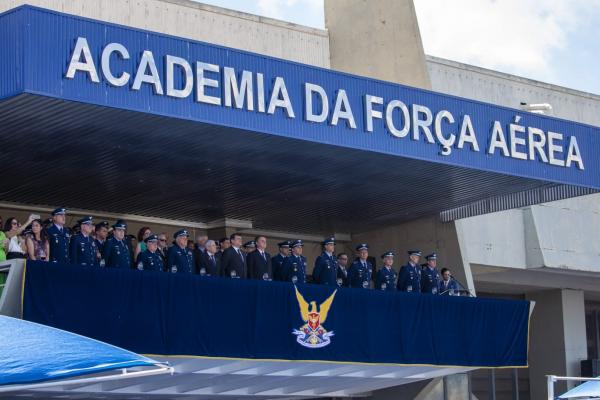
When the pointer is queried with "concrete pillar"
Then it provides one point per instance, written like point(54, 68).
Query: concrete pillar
point(379, 39)
point(557, 339)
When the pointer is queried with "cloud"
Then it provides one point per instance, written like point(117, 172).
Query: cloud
point(516, 36)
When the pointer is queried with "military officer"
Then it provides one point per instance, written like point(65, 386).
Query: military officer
point(180, 258)
point(249, 247)
point(116, 252)
point(359, 275)
point(277, 261)
point(430, 277)
point(83, 246)
point(294, 267)
point(326, 265)
point(342, 271)
point(101, 231)
point(58, 237)
point(409, 279)
point(386, 276)
point(150, 259)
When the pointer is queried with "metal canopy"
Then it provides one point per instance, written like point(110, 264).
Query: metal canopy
point(198, 378)
point(107, 159)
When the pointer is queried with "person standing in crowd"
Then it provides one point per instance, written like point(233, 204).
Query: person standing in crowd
point(259, 261)
point(430, 277)
point(249, 247)
point(149, 259)
point(180, 258)
point(409, 279)
point(101, 233)
point(211, 263)
point(3, 243)
point(143, 233)
point(359, 275)
point(448, 286)
point(16, 242)
point(342, 270)
point(233, 261)
point(386, 276)
point(162, 247)
point(326, 265)
point(116, 252)
point(224, 244)
point(58, 237)
point(83, 246)
point(294, 267)
point(199, 252)
point(277, 261)
point(37, 244)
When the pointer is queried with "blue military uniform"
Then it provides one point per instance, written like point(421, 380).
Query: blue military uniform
point(83, 248)
point(386, 276)
point(326, 267)
point(148, 260)
point(360, 273)
point(180, 260)
point(294, 267)
point(409, 278)
point(58, 239)
point(277, 261)
point(430, 277)
point(116, 252)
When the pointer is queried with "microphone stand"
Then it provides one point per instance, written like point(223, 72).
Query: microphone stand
point(462, 287)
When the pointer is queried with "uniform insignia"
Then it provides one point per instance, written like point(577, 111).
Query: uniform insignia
point(312, 334)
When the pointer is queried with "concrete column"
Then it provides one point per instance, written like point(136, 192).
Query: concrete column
point(557, 338)
point(379, 39)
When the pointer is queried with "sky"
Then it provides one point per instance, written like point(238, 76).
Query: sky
point(554, 41)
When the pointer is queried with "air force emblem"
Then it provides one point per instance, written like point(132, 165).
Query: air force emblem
point(312, 334)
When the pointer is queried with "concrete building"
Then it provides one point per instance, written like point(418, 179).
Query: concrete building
point(539, 244)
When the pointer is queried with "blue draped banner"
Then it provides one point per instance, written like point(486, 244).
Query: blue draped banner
point(175, 314)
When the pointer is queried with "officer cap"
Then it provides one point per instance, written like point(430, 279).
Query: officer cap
point(362, 246)
point(330, 240)
point(181, 232)
point(59, 211)
point(285, 244)
point(102, 224)
point(388, 254)
point(85, 220)
point(432, 256)
point(414, 253)
point(297, 243)
point(120, 224)
point(250, 245)
point(152, 238)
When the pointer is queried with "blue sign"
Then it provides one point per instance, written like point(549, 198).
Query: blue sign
point(99, 63)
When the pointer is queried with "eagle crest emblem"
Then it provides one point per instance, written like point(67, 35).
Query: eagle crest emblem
point(313, 334)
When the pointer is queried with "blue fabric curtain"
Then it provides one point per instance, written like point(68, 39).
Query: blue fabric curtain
point(175, 314)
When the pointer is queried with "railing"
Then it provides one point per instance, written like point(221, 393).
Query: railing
point(553, 378)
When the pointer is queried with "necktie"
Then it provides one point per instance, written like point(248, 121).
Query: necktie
point(263, 255)
point(240, 254)
point(212, 259)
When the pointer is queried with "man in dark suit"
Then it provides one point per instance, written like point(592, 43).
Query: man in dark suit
point(210, 264)
point(259, 261)
point(233, 261)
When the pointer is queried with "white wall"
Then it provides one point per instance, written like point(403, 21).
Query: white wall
point(197, 21)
